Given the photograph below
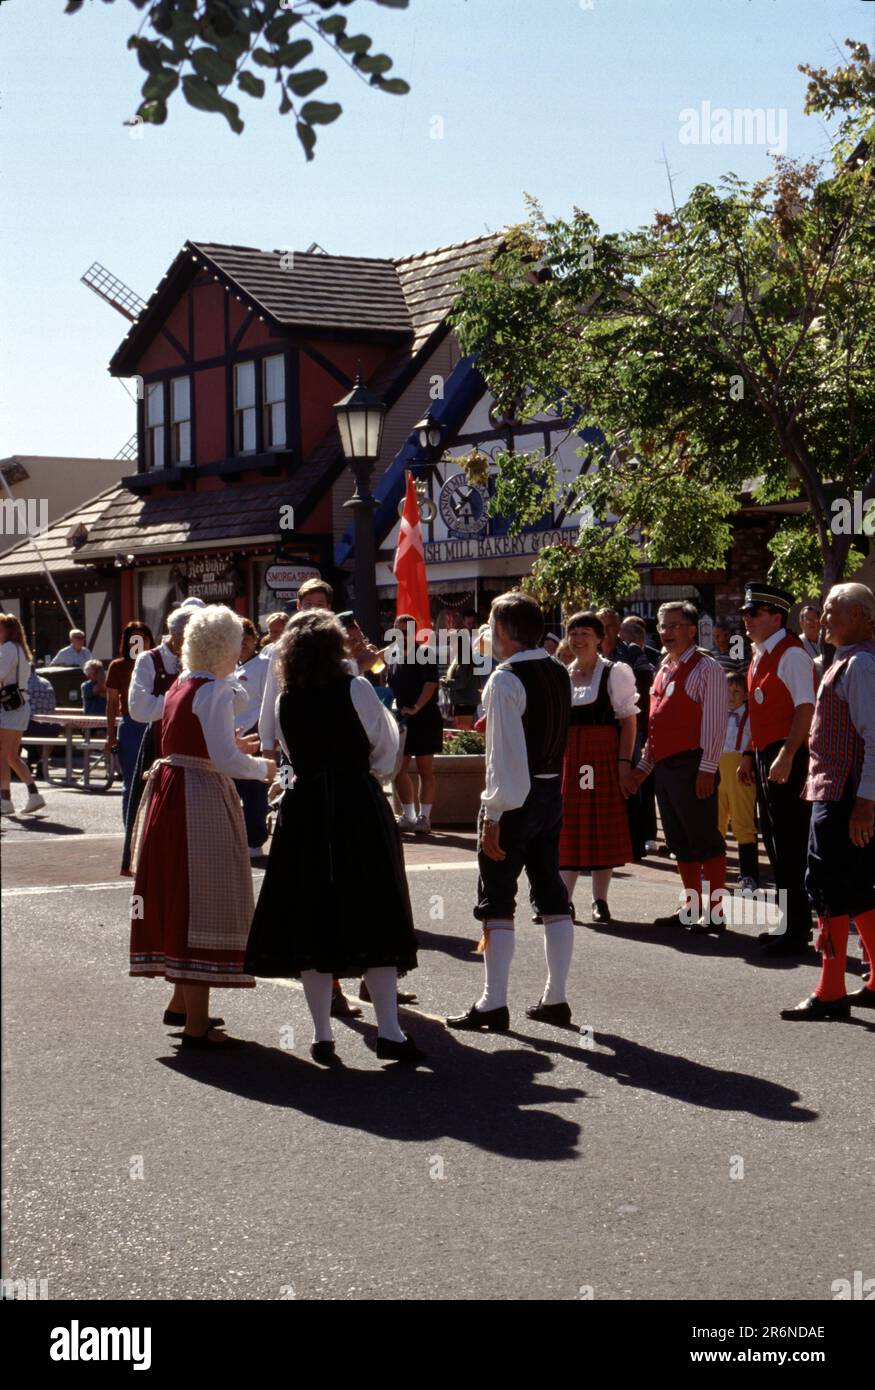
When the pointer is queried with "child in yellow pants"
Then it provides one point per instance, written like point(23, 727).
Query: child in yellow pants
point(736, 804)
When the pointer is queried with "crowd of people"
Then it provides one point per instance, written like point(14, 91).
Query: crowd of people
point(586, 733)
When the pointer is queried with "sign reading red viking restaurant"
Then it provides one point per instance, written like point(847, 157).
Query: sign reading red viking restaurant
point(289, 577)
point(211, 577)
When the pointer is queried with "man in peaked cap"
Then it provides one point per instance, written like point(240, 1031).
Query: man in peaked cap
point(781, 691)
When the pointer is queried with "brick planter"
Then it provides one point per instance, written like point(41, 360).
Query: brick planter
point(460, 778)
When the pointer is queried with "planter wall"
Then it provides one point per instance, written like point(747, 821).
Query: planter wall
point(459, 782)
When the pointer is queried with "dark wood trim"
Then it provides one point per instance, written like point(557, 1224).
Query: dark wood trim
point(168, 428)
point(293, 405)
point(327, 365)
point(141, 432)
point(238, 336)
point(176, 345)
point(100, 617)
point(225, 361)
point(259, 405)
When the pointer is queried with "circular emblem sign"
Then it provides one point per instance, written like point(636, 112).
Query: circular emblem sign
point(462, 506)
point(289, 577)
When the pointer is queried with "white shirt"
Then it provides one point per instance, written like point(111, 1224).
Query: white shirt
point(379, 726)
point(794, 669)
point(622, 689)
point(507, 764)
point(734, 719)
point(142, 704)
point(14, 667)
point(68, 656)
point(251, 675)
point(217, 705)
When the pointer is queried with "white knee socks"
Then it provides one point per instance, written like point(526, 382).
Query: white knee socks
point(558, 945)
point(317, 992)
point(497, 958)
point(382, 983)
point(601, 882)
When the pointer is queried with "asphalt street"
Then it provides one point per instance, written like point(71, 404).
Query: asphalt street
point(686, 1144)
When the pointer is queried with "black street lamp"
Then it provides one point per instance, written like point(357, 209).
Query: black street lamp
point(360, 417)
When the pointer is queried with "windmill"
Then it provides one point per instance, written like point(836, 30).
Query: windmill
point(130, 305)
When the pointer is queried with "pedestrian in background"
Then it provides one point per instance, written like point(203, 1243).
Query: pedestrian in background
point(736, 800)
point(76, 654)
point(250, 675)
point(15, 664)
point(123, 732)
point(93, 689)
point(414, 683)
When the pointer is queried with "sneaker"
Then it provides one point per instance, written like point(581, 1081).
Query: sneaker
point(6, 807)
point(748, 885)
point(404, 823)
point(422, 825)
point(34, 802)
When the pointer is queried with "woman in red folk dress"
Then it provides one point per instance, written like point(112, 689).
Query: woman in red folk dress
point(595, 819)
point(193, 903)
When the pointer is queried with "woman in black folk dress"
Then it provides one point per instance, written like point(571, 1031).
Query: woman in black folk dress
point(334, 900)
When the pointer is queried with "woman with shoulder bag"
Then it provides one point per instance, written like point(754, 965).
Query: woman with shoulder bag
point(15, 659)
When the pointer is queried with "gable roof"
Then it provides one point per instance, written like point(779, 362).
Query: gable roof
point(400, 301)
point(22, 560)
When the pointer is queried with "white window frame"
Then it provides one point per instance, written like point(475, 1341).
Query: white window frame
point(245, 416)
point(275, 435)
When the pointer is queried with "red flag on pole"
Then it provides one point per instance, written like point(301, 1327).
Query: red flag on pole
point(409, 566)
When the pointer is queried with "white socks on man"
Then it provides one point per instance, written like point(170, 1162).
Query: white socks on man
point(558, 946)
point(497, 956)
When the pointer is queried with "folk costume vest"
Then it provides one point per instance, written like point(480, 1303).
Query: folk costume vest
point(771, 704)
point(162, 680)
point(836, 750)
point(675, 723)
point(547, 713)
point(600, 710)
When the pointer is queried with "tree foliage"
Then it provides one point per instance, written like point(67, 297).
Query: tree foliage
point(205, 47)
point(729, 346)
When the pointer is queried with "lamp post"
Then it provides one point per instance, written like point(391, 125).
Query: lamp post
point(360, 417)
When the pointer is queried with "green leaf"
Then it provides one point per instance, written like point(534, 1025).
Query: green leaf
point(334, 24)
point(159, 85)
point(208, 63)
point(154, 112)
point(252, 85)
point(307, 137)
point(396, 85)
point(355, 43)
point(394, 4)
point(377, 63)
point(203, 96)
point(320, 112)
point(265, 59)
point(292, 53)
point(303, 83)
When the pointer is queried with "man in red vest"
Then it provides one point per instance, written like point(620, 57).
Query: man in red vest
point(781, 689)
point(689, 707)
point(841, 786)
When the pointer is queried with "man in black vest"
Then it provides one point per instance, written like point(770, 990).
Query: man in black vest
point(528, 705)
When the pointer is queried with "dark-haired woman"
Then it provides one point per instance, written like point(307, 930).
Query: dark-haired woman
point(136, 637)
point(414, 679)
point(334, 900)
point(595, 822)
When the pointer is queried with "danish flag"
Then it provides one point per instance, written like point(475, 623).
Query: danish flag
point(409, 566)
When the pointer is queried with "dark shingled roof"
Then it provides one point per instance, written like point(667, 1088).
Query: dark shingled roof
point(22, 560)
point(392, 301)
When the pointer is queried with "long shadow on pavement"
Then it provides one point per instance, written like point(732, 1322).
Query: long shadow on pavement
point(680, 1078)
point(474, 1096)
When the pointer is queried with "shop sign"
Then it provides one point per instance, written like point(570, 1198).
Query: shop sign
point(462, 506)
point(289, 578)
point(496, 547)
point(211, 577)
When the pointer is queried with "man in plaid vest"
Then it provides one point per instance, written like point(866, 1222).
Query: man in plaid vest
point(841, 785)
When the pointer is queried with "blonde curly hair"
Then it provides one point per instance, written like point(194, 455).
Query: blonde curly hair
point(212, 639)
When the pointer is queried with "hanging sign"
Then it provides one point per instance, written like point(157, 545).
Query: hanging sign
point(211, 577)
point(289, 577)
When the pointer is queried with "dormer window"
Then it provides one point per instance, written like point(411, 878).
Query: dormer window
point(244, 408)
point(155, 425)
point(180, 420)
point(274, 396)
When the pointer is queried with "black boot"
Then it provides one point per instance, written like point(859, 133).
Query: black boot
point(748, 862)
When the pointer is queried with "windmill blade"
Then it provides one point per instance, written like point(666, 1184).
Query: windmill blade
point(114, 291)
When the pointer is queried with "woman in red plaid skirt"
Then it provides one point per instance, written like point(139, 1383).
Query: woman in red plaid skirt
point(604, 705)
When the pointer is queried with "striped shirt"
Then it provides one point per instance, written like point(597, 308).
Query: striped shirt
point(706, 684)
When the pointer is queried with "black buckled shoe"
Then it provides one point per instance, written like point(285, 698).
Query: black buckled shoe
point(780, 946)
point(324, 1054)
point(406, 1051)
point(674, 919)
point(600, 911)
point(205, 1043)
point(403, 996)
point(557, 1014)
point(341, 1007)
point(489, 1021)
point(177, 1020)
point(812, 1009)
point(706, 927)
point(862, 998)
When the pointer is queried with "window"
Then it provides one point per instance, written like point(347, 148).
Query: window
point(180, 420)
point(274, 382)
point(244, 408)
point(155, 425)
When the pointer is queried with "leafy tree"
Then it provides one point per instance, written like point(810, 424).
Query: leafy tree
point(207, 46)
point(729, 346)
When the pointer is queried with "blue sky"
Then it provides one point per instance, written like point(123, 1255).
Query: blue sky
point(570, 100)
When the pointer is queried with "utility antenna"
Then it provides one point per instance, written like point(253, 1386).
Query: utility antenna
point(670, 184)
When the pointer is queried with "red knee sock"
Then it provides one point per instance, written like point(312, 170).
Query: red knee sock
point(865, 922)
point(714, 874)
point(691, 878)
point(833, 942)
